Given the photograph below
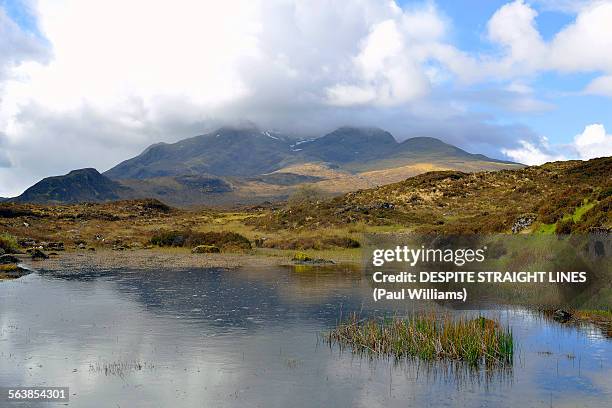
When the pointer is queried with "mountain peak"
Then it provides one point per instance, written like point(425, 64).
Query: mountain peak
point(77, 186)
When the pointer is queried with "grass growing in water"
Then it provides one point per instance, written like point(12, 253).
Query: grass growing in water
point(429, 337)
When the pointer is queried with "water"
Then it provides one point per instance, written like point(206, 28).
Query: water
point(251, 338)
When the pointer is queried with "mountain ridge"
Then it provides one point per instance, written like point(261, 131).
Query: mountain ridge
point(247, 165)
point(249, 151)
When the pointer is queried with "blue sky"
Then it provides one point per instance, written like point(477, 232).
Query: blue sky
point(89, 83)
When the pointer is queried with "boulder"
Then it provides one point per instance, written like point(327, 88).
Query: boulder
point(38, 254)
point(523, 222)
point(55, 246)
point(301, 258)
point(205, 249)
point(9, 259)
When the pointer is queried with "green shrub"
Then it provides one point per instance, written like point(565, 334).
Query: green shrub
point(8, 243)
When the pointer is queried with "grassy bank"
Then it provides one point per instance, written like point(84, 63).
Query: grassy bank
point(428, 337)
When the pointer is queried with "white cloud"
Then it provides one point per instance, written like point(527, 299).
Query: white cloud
point(584, 44)
point(593, 142)
point(600, 86)
point(530, 154)
point(513, 26)
point(17, 47)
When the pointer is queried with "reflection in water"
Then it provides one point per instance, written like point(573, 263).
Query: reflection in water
point(251, 338)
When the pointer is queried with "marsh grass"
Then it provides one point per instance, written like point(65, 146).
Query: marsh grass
point(8, 243)
point(428, 337)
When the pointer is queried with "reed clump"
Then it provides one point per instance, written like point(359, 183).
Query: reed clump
point(429, 337)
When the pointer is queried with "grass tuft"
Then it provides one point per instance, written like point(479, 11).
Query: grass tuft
point(475, 341)
point(8, 243)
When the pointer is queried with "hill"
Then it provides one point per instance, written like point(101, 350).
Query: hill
point(559, 196)
point(85, 185)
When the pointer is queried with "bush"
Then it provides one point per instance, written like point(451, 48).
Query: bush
point(205, 249)
point(8, 243)
point(342, 242)
point(223, 240)
point(306, 243)
point(305, 194)
point(564, 227)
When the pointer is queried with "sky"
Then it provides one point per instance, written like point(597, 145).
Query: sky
point(92, 83)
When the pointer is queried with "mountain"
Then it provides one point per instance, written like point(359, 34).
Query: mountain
point(84, 185)
point(247, 165)
point(225, 152)
point(348, 144)
point(250, 152)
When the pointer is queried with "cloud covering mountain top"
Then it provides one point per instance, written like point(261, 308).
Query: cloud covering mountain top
point(95, 82)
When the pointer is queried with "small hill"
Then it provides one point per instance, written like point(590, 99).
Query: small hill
point(560, 196)
point(84, 185)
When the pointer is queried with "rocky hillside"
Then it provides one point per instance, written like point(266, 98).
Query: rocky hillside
point(561, 196)
point(85, 185)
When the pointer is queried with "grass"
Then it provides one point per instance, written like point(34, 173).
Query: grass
point(575, 217)
point(8, 243)
point(428, 337)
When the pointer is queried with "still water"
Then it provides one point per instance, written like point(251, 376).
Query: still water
point(251, 338)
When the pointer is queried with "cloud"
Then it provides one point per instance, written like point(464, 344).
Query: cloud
point(600, 86)
point(521, 51)
point(530, 154)
point(384, 69)
point(17, 46)
point(103, 80)
point(593, 142)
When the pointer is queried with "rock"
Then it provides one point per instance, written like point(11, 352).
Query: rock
point(82, 246)
point(12, 271)
point(386, 206)
point(205, 249)
point(522, 222)
point(55, 246)
point(561, 315)
point(2, 252)
point(38, 254)
point(92, 249)
point(300, 258)
point(9, 259)
point(28, 242)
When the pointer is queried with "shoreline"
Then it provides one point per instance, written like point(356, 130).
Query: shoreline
point(76, 261)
